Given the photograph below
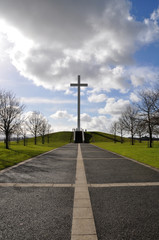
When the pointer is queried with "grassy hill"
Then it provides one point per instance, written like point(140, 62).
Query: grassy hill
point(100, 137)
point(90, 137)
point(63, 137)
point(67, 137)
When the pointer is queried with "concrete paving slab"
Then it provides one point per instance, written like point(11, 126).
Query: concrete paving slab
point(81, 188)
point(82, 213)
point(36, 213)
point(124, 213)
point(81, 195)
point(118, 171)
point(104, 158)
point(98, 154)
point(81, 202)
point(87, 146)
point(83, 226)
point(110, 185)
point(84, 237)
point(49, 172)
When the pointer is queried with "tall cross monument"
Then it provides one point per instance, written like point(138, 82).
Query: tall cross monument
point(79, 84)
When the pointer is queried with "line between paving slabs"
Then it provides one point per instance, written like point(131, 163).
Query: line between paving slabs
point(83, 226)
point(100, 185)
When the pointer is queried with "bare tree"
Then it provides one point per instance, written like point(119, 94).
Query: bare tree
point(34, 122)
point(18, 132)
point(141, 129)
point(113, 130)
point(10, 114)
point(129, 121)
point(48, 132)
point(43, 128)
point(24, 133)
point(120, 129)
point(149, 110)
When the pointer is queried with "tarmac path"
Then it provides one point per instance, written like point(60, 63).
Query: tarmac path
point(79, 192)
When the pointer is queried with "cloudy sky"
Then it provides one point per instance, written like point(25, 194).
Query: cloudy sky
point(112, 44)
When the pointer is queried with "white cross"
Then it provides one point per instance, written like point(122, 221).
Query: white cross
point(78, 104)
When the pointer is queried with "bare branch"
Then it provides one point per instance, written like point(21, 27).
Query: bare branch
point(10, 114)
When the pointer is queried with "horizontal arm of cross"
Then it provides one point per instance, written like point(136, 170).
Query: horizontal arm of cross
point(81, 85)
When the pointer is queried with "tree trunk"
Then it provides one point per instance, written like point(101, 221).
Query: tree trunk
point(150, 137)
point(24, 141)
point(35, 139)
point(7, 141)
point(132, 139)
point(43, 140)
point(121, 137)
point(140, 141)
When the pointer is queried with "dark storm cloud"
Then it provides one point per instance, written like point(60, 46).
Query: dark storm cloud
point(59, 21)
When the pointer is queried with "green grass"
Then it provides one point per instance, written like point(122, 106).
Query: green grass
point(102, 137)
point(140, 151)
point(18, 153)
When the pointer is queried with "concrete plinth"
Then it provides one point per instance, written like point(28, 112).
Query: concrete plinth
point(78, 137)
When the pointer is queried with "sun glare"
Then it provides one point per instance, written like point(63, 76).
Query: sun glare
point(14, 36)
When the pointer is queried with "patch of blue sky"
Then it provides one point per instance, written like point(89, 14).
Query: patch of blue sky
point(142, 9)
point(148, 55)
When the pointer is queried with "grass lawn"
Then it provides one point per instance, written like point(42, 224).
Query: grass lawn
point(139, 151)
point(18, 153)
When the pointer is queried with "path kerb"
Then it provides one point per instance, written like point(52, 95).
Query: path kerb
point(83, 226)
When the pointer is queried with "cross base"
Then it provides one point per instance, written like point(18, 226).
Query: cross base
point(79, 136)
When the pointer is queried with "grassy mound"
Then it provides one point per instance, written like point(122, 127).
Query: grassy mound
point(101, 137)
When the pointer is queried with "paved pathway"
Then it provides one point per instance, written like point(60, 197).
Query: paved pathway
point(79, 192)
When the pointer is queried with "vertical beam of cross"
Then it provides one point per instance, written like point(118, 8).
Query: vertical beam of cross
point(79, 84)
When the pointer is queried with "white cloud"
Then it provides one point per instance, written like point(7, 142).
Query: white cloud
point(134, 97)
point(27, 114)
point(97, 98)
point(68, 92)
point(114, 107)
point(96, 123)
point(141, 75)
point(91, 123)
point(62, 114)
point(82, 37)
point(155, 15)
point(85, 117)
point(39, 100)
point(75, 94)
